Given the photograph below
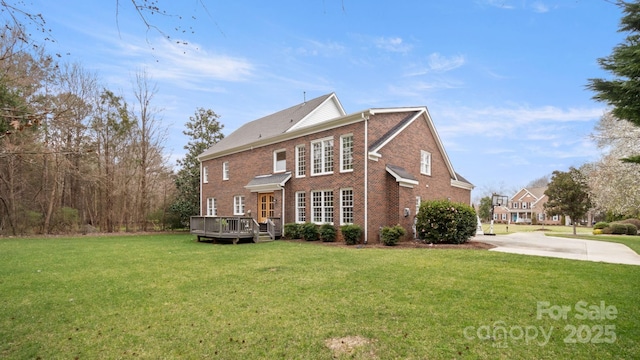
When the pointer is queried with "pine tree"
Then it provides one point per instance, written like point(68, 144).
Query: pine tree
point(623, 91)
point(203, 130)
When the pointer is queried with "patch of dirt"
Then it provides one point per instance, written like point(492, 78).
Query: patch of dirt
point(351, 345)
point(470, 245)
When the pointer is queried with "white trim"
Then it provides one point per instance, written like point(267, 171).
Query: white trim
point(462, 184)
point(402, 181)
point(323, 161)
point(425, 163)
point(239, 205)
point(275, 161)
point(297, 160)
point(342, 137)
point(353, 200)
point(297, 208)
point(225, 170)
point(205, 174)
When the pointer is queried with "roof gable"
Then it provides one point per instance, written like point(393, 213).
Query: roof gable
point(310, 112)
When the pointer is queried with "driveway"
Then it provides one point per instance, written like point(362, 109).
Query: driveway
point(536, 243)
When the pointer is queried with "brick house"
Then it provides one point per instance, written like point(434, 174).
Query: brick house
point(314, 163)
point(526, 207)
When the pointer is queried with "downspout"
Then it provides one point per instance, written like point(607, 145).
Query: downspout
point(366, 178)
point(282, 222)
point(201, 188)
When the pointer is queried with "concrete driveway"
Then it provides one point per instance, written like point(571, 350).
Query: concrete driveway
point(536, 243)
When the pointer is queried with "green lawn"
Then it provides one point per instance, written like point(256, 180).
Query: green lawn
point(167, 296)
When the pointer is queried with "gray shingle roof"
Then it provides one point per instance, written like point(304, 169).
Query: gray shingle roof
point(266, 127)
point(273, 180)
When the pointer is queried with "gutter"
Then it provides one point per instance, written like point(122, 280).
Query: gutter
point(366, 177)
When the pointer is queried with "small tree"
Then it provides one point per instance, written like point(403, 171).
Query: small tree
point(443, 221)
point(567, 193)
point(484, 210)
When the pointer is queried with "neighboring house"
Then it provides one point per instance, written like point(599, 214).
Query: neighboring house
point(526, 207)
point(314, 163)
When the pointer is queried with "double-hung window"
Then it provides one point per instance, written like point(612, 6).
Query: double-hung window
point(212, 207)
point(425, 163)
point(301, 207)
point(322, 206)
point(238, 205)
point(225, 170)
point(205, 174)
point(322, 157)
point(346, 205)
point(301, 161)
point(346, 153)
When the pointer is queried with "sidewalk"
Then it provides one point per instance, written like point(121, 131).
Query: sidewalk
point(537, 244)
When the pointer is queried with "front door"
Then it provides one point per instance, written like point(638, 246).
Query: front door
point(266, 207)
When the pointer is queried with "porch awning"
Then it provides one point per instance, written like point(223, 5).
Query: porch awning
point(264, 183)
point(403, 177)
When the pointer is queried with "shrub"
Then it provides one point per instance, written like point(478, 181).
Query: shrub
point(389, 235)
point(631, 229)
point(607, 231)
point(635, 222)
point(351, 234)
point(443, 221)
point(327, 233)
point(65, 220)
point(618, 228)
point(309, 231)
point(292, 231)
point(597, 231)
point(601, 225)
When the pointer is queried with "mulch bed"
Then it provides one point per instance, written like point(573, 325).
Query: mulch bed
point(473, 245)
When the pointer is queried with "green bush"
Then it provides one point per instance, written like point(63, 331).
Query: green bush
point(309, 231)
point(327, 233)
point(601, 225)
point(443, 221)
point(292, 231)
point(351, 234)
point(618, 228)
point(390, 235)
point(631, 229)
point(65, 220)
point(607, 231)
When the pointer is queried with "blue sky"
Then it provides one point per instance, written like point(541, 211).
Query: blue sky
point(504, 80)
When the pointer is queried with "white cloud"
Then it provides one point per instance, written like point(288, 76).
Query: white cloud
point(319, 48)
point(437, 63)
point(539, 7)
point(502, 4)
point(392, 44)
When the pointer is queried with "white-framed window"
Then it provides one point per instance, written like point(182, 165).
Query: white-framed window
point(524, 205)
point(346, 206)
point(504, 216)
point(279, 161)
point(515, 205)
point(225, 170)
point(418, 202)
point(322, 157)
point(322, 206)
point(425, 163)
point(238, 205)
point(495, 216)
point(301, 207)
point(212, 207)
point(205, 174)
point(541, 216)
point(301, 161)
point(556, 217)
point(346, 153)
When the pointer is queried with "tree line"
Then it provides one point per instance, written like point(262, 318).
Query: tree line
point(76, 156)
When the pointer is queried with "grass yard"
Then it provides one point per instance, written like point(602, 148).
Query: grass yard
point(167, 296)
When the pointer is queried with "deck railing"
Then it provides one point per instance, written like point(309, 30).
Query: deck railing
point(233, 227)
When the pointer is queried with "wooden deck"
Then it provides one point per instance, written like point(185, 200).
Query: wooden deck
point(235, 229)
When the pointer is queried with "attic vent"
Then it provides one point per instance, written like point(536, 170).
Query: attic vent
point(291, 120)
point(259, 136)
